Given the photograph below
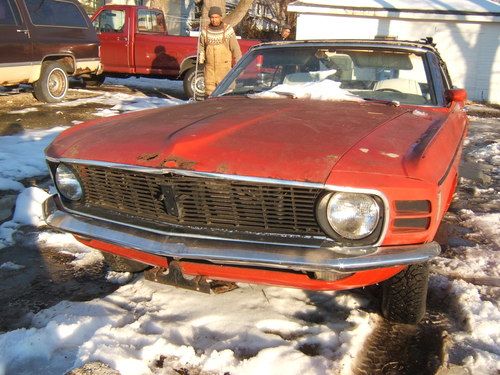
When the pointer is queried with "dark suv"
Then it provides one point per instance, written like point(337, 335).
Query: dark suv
point(43, 42)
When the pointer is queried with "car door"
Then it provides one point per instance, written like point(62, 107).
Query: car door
point(16, 47)
point(152, 52)
point(113, 32)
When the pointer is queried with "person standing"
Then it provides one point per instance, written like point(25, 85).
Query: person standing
point(285, 32)
point(219, 49)
point(283, 35)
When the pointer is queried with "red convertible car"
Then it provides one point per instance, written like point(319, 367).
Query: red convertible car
point(315, 165)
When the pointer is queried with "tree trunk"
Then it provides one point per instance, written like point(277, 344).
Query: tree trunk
point(238, 13)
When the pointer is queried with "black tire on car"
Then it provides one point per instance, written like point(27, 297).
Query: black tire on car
point(52, 85)
point(120, 264)
point(194, 89)
point(95, 80)
point(404, 295)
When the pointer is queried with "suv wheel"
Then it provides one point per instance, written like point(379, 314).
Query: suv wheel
point(404, 295)
point(53, 83)
point(120, 264)
point(194, 88)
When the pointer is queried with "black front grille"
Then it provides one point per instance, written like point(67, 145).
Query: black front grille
point(199, 201)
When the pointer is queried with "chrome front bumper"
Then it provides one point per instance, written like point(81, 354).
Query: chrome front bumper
point(233, 252)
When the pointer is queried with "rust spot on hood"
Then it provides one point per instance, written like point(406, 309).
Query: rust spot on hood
point(147, 156)
point(178, 162)
point(222, 168)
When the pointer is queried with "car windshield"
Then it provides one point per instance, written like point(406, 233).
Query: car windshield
point(327, 73)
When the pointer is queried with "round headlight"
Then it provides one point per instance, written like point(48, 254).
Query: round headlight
point(353, 215)
point(67, 183)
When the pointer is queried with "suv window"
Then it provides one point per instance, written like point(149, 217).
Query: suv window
point(55, 13)
point(9, 14)
point(150, 21)
point(110, 21)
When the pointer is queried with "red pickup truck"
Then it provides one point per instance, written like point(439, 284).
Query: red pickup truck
point(135, 42)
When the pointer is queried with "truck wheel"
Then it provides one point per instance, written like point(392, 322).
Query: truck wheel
point(404, 295)
point(95, 80)
point(53, 83)
point(194, 88)
point(121, 264)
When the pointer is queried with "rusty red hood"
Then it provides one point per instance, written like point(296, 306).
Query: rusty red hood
point(285, 139)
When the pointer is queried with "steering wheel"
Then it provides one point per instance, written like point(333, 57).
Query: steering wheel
point(389, 90)
point(107, 28)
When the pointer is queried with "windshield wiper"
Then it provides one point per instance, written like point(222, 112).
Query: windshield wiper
point(394, 103)
point(244, 92)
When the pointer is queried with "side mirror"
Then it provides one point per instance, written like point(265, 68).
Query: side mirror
point(456, 95)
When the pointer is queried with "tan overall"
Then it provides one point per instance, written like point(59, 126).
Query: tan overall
point(219, 49)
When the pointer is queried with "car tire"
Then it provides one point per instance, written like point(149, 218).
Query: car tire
point(52, 85)
point(404, 295)
point(194, 89)
point(120, 264)
point(95, 80)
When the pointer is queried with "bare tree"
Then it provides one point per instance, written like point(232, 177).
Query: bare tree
point(239, 12)
point(232, 18)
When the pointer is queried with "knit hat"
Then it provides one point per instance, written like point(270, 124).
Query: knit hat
point(214, 10)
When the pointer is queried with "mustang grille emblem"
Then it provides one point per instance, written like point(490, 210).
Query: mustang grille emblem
point(168, 198)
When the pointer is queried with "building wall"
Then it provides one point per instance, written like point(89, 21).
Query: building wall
point(470, 49)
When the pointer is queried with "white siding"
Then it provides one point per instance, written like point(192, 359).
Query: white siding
point(470, 49)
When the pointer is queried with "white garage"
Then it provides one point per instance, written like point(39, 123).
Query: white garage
point(467, 32)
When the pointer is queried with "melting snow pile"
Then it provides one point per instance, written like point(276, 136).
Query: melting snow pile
point(323, 90)
point(250, 330)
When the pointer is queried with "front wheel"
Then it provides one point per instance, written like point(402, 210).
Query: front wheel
point(404, 295)
point(194, 88)
point(52, 85)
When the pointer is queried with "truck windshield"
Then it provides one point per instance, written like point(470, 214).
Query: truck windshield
point(331, 74)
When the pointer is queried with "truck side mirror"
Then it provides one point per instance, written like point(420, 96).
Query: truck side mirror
point(456, 95)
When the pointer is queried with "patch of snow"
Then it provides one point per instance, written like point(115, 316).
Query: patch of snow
point(488, 224)
point(28, 212)
point(29, 207)
point(247, 330)
point(481, 340)
point(120, 278)
point(323, 90)
point(27, 151)
point(11, 266)
point(66, 243)
point(25, 110)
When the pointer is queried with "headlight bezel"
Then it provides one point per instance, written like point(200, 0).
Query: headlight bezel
point(370, 239)
point(60, 190)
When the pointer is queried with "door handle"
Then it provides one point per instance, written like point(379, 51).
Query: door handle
point(124, 38)
point(23, 31)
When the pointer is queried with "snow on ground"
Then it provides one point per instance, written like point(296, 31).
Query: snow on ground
point(250, 330)
point(145, 328)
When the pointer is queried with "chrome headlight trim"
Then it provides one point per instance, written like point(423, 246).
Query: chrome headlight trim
point(67, 183)
point(352, 215)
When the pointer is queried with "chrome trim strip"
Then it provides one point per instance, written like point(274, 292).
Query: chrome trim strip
point(190, 235)
point(235, 253)
point(159, 171)
point(19, 64)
